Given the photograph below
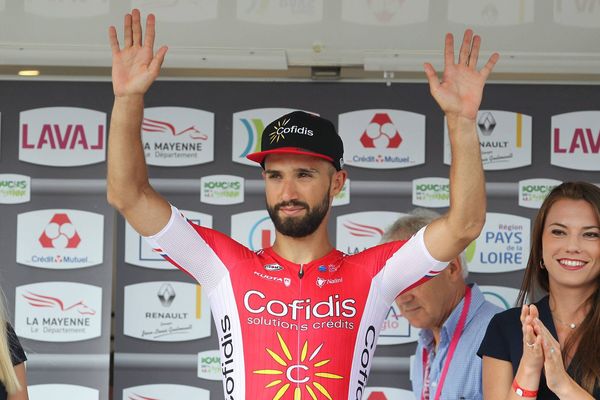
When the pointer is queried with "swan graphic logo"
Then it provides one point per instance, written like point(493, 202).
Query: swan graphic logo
point(58, 311)
point(358, 231)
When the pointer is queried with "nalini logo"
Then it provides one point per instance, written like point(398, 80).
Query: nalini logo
point(303, 373)
point(381, 132)
point(60, 233)
point(166, 294)
point(323, 281)
point(62, 136)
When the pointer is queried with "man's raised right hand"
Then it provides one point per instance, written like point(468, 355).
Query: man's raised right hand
point(135, 66)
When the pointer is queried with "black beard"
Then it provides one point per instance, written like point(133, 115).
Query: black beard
point(298, 227)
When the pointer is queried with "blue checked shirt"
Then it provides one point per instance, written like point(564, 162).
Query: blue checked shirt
point(463, 380)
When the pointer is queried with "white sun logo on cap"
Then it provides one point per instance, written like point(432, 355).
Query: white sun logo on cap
point(277, 134)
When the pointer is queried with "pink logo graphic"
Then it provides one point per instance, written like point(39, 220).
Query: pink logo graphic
point(583, 140)
point(381, 132)
point(69, 137)
point(60, 233)
point(361, 230)
point(384, 10)
point(153, 125)
point(136, 396)
point(41, 301)
point(377, 396)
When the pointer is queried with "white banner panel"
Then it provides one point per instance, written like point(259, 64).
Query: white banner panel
point(358, 231)
point(179, 11)
point(165, 392)
point(58, 311)
point(385, 13)
point(382, 139)
point(491, 12)
point(178, 136)
point(578, 13)
point(576, 140)
point(502, 246)
point(253, 229)
point(15, 189)
point(60, 239)
point(139, 252)
point(55, 391)
point(280, 12)
point(62, 136)
point(166, 312)
point(505, 139)
point(61, 9)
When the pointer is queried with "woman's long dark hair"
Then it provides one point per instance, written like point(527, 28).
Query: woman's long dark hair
point(587, 355)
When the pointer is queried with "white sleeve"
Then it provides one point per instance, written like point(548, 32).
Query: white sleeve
point(409, 265)
point(179, 243)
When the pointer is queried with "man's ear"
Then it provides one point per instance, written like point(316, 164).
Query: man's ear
point(337, 182)
point(455, 269)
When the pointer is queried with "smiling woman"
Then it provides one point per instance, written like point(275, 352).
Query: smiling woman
point(555, 349)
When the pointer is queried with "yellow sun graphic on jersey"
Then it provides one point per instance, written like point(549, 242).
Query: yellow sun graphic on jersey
point(275, 136)
point(306, 365)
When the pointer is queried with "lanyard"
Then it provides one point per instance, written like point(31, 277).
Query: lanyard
point(453, 343)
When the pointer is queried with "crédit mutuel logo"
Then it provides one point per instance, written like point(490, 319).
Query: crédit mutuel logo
point(62, 136)
point(60, 239)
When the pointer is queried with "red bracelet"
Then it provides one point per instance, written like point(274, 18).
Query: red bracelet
point(523, 392)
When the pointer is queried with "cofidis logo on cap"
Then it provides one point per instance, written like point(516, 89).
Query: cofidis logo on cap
point(58, 311)
point(504, 137)
point(14, 189)
point(139, 252)
point(222, 189)
point(358, 231)
point(502, 246)
point(165, 391)
point(60, 239)
point(532, 192)
point(431, 192)
point(166, 312)
point(253, 229)
point(248, 127)
point(56, 391)
point(178, 136)
point(576, 140)
point(383, 139)
point(62, 136)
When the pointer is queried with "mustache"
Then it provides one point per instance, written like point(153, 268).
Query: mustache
point(291, 203)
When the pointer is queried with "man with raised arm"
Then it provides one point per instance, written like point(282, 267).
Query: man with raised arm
point(299, 319)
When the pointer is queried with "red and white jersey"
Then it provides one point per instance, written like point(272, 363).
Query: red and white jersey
point(290, 331)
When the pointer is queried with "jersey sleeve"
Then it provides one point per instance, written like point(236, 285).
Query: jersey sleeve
point(196, 250)
point(408, 266)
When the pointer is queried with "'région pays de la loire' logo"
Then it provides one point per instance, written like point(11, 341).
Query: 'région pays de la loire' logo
point(58, 311)
point(502, 246)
